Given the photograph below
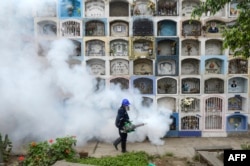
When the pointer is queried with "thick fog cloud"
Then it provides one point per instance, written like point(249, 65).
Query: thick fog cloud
point(43, 97)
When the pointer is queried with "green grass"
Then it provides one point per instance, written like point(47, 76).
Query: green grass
point(126, 159)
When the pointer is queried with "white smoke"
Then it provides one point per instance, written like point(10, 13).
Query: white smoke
point(43, 97)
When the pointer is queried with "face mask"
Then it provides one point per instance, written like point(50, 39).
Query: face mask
point(127, 108)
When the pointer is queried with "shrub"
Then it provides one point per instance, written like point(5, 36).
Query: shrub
point(245, 146)
point(5, 148)
point(126, 159)
point(48, 152)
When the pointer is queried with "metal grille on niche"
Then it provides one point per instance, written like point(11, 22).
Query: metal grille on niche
point(167, 8)
point(71, 29)
point(190, 123)
point(213, 113)
point(143, 27)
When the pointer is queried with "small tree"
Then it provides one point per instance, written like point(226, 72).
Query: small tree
point(237, 35)
point(5, 148)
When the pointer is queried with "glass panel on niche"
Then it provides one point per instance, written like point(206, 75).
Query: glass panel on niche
point(236, 122)
point(143, 7)
point(238, 66)
point(166, 67)
point(77, 48)
point(190, 123)
point(99, 84)
point(95, 28)
point(213, 47)
point(94, 8)
point(188, 6)
point(119, 48)
point(166, 47)
point(190, 67)
point(235, 103)
point(213, 66)
point(167, 8)
point(119, 29)
point(147, 101)
point(190, 47)
point(70, 8)
point(118, 9)
point(214, 27)
point(214, 85)
point(96, 67)
point(167, 28)
point(233, 11)
point(144, 85)
point(143, 67)
point(122, 82)
point(167, 86)
point(237, 85)
point(47, 28)
point(191, 29)
point(143, 48)
point(95, 48)
point(168, 103)
point(190, 85)
point(119, 67)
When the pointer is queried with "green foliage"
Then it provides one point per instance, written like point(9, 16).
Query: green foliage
point(245, 146)
point(237, 35)
point(5, 147)
point(48, 152)
point(126, 159)
point(170, 154)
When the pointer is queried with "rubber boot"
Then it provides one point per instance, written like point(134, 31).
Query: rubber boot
point(123, 145)
point(116, 142)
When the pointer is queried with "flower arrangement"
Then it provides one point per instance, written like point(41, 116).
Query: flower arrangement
point(173, 44)
point(151, 5)
point(186, 102)
point(236, 125)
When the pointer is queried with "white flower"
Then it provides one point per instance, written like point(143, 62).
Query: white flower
point(187, 102)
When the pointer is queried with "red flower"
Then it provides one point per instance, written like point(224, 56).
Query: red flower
point(51, 141)
point(21, 158)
